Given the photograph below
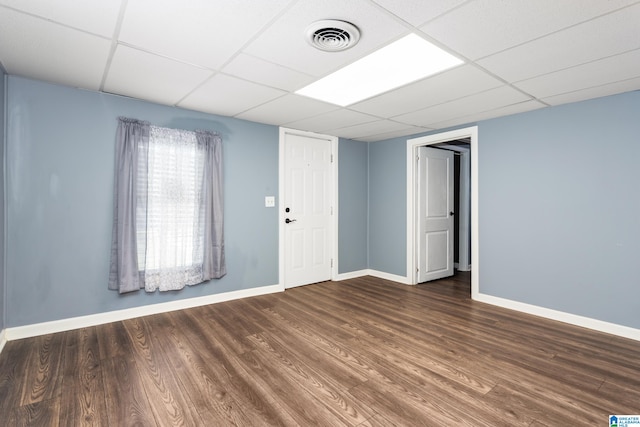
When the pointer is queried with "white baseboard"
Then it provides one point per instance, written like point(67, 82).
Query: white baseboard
point(374, 273)
point(62, 325)
point(113, 316)
point(351, 275)
point(462, 267)
point(3, 339)
point(388, 276)
point(572, 319)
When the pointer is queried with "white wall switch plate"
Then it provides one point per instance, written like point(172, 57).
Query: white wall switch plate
point(269, 201)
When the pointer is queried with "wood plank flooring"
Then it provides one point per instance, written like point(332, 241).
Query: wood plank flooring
point(362, 352)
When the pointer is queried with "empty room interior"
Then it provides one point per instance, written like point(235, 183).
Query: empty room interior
point(299, 212)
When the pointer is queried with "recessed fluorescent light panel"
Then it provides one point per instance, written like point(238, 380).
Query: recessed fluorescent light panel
point(407, 60)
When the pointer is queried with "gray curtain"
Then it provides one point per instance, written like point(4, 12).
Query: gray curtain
point(128, 248)
point(132, 141)
point(213, 263)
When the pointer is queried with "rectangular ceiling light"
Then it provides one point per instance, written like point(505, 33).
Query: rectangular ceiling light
point(407, 60)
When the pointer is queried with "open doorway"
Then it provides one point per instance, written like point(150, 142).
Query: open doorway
point(435, 231)
point(461, 149)
point(470, 137)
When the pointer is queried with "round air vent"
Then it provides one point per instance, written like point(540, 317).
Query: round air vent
point(332, 35)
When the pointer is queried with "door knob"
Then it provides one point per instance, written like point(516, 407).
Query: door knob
point(289, 220)
point(452, 213)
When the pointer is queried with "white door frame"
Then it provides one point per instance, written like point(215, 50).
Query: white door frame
point(412, 197)
point(333, 199)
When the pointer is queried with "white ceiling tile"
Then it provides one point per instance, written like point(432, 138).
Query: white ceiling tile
point(498, 112)
point(367, 129)
point(484, 101)
point(413, 130)
point(332, 120)
point(483, 27)
point(284, 42)
point(153, 78)
point(605, 36)
point(452, 84)
point(260, 71)
point(95, 16)
point(609, 70)
point(228, 96)
point(191, 54)
point(417, 12)
point(200, 32)
point(289, 108)
point(595, 92)
point(40, 49)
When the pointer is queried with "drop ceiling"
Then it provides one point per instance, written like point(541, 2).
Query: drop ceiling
point(246, 58)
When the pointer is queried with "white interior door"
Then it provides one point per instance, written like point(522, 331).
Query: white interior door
point(307, 206)
point(435, 213)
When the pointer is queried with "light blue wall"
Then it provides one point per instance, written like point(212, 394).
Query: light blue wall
point(60, 147)
point(2, 205)
point(388, 206)
point(560, 208)
point(60, 154)
point(352, 205)
point(558, 204)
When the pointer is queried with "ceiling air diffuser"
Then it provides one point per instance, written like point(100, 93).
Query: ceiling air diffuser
point(332, 35)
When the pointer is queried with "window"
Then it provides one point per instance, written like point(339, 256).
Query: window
point(168, 207)
point(169, 221)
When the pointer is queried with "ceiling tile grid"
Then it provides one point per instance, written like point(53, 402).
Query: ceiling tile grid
point(406, 131)
point(456, 83)
point(93, 16)
point(364, 130)
point(228, 96)
point(284, 41)
point(45, 50)
point(267, 73)
point(597, 73)
point(484, 27)
point(418, 12)
point(477, 103)
point(332, 120)
point(594, 92)
point(151, 77)
point(201, 32)
point(287, 109)
point(519, 107)
point(608, 35)
point(246, 58)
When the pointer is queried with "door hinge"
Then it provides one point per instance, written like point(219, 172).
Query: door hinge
point(331, 210)
point(332, 158)
point(331, 262)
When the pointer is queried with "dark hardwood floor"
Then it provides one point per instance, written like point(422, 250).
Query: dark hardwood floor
point(364, 352)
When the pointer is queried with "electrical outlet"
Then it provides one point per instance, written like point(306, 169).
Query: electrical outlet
point(269, 202)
